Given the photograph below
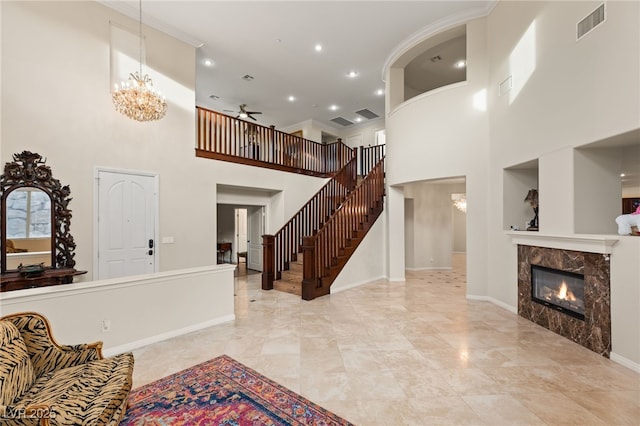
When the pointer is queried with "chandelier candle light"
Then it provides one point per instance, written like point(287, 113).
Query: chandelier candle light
point(137, 98)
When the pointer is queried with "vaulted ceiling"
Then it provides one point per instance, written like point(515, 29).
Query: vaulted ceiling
point(275, 43)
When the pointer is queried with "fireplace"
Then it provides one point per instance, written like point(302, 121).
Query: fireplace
point(559, 290)
point(585, 320)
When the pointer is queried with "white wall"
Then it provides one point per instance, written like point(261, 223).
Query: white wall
point(432, 223)
point(365, 264)
point(563, 104)
point(56, 101)
point(77, 311)
point(445, 133)
point(565, 95)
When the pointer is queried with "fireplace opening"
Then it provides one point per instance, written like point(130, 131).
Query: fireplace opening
point(560, 290)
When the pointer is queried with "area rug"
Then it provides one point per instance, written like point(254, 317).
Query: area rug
point(222, 391)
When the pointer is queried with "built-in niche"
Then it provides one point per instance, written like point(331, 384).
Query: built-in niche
point(605, 173)
point(518, 180)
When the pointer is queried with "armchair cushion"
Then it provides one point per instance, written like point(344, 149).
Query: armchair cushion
point(16, 370)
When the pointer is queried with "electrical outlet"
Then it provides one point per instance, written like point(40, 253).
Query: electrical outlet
point(106, 325)
point(432, 260)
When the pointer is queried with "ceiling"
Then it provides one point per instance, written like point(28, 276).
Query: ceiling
point(274, 42)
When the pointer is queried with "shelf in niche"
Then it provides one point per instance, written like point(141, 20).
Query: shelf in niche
point(591, 243)
point(517, 181)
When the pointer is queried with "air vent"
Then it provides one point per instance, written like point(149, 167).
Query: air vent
point(590, 22)
point(342, 121)
point(247, 77)
point(367, 114)
point(505, 86)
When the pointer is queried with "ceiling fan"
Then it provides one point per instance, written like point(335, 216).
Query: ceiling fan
point(243, 113)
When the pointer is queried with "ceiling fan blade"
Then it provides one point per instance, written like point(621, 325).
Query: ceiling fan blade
point(253, 118)
point(253, 112)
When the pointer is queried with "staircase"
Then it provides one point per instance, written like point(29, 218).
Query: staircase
point(307, 263)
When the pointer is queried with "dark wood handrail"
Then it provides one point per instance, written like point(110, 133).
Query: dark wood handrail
point(324, 250)
point(283, 247)
point(223, 137)
point(369, 157)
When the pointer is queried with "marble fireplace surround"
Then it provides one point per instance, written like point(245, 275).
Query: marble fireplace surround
point(594, 332)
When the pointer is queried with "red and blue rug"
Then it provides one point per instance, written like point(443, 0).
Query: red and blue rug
point(222, 391)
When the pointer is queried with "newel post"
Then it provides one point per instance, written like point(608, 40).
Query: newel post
point(309, 279)
point(268, 261)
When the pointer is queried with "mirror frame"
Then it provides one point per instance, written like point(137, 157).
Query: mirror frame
point(28, 170)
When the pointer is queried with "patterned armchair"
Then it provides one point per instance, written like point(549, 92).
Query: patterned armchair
point(44, 383)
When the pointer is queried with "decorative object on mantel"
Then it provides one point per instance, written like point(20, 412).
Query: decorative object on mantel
point(532, 199)
point(31, 271)
point(28, 172)
point(137, 98)
point(629, 224)
point(460, 201)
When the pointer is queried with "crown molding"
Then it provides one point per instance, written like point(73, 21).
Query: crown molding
point(150, 21)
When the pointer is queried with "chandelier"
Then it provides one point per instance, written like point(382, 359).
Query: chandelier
point(137, 98)
point(460, 201)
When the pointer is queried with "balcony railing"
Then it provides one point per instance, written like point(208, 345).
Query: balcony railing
point(222, 137)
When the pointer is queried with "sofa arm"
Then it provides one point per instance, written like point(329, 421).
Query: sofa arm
point(46, 354)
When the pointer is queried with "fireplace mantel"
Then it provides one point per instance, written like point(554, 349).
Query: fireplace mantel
point(587, 243)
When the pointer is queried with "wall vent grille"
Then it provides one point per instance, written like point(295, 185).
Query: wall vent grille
point(505, 86)
point(594, 19)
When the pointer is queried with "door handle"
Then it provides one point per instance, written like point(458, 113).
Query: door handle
point(151, 244)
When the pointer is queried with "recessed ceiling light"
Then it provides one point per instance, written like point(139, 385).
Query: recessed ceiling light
point(318, 47)
point(352, 74)
point(333, 107)
point(622, 175)
point(207, 62)
point(291, 98)
point(380, 92)
point(358, 119)
point(461, 64)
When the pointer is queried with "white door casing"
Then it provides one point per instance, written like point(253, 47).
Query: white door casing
point(255, 224)
point(126, 223)
point(240, 243)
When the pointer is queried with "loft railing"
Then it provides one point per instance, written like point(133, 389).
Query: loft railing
point(222, 137)
point(369, 157)
point(326, 252)
point(282, 248)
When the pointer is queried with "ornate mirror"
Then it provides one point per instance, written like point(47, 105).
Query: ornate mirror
point(36, 246)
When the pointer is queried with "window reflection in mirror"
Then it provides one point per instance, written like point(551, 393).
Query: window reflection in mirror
point(28, 225)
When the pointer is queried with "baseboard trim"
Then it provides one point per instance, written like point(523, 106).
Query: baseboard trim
point(128, 347)
point(496, 302)
point(625, 362)
point(431, 268)
point(357, 284)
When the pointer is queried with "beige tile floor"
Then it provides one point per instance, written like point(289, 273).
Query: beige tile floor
point(414, 353)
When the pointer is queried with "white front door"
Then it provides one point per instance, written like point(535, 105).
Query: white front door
point(256, 229)
point(126, 224)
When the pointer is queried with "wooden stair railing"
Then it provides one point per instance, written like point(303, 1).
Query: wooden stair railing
point(281, 249)
point(327, 252)
point(226, 138)
point(369, 157)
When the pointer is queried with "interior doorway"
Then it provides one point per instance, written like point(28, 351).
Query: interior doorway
point(241, 227)
point(435, 223)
